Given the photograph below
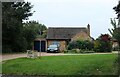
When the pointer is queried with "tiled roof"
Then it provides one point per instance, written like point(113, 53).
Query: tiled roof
point(64, 32)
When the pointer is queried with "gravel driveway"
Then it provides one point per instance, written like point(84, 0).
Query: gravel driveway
point(12, 56)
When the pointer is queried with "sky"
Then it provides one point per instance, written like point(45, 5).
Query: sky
point(75, 13)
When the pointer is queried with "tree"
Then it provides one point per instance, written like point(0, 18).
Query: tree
point(117, 9)
point(116, 33)
point(116, 25)
point(103, 43)
point(116, 30)
point(13, 14)
point(32, 30)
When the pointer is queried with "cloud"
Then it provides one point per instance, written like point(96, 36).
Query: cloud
point(75, 12)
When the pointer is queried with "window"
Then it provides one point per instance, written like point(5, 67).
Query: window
point(56, 43)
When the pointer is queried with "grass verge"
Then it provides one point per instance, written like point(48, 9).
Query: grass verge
point(102, 64)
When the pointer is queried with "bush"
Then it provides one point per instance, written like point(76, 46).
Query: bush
point(6, 49)
point(65, 51)
point(77, 50)
point(72, 45)
point(74, 51)
point(83, 45)
point(87, 51)
point(102, 46)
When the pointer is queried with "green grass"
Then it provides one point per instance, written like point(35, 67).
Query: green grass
point(0, 67)
point(102, 64)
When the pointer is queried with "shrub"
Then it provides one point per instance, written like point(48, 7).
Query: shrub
point(74, 51)
point(83, 45)
point(6, 49)
point(102, 44)
point(71, 51)
point(65, 51)
point(72, 45)
point(77, 50)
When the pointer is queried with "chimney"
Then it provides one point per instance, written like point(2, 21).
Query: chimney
point(88, 27)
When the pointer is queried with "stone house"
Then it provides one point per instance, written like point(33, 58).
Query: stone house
point(63, 35)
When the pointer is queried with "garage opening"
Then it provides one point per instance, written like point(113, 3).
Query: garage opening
point(40, 45)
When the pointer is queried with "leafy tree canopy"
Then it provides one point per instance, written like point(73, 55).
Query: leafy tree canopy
point(32, 30)
point(13, 14)
point(116, 25)
point(117, 9)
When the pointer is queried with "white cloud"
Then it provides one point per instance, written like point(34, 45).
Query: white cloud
point(75, 12)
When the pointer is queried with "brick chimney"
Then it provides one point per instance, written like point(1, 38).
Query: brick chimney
point(88, 27)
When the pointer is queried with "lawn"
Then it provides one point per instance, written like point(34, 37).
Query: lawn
point(97, 64)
